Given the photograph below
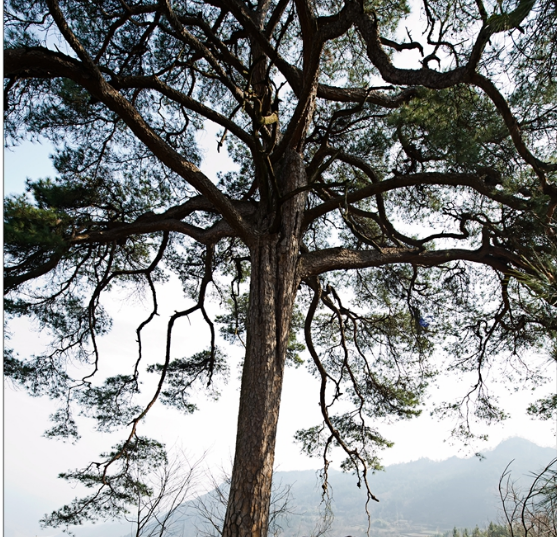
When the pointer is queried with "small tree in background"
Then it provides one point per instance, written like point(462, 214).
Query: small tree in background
point(161, 512)
point(383, 212)
point(532, 511)
point(210, 509)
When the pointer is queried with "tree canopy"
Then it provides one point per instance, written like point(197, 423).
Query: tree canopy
point(394, 202)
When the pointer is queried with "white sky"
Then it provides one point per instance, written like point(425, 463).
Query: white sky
point(31, 462)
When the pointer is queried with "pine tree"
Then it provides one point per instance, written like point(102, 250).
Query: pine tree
point(383, 212)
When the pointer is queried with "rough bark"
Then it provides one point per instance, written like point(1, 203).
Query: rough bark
point(274, 281)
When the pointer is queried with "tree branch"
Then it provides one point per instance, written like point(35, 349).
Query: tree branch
point(512, 125)
point(314, 263)
point(40, 62)
point(155, 83)
point(204, 236)
point(401, 181)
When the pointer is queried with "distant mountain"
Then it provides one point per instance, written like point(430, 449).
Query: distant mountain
point(417, 498)
point(424, 494)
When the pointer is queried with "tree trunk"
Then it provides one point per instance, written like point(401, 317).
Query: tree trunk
point(273, 287)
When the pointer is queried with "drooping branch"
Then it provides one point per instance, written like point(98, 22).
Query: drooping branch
point(147, 272)
point(12, 282)
point(359, 462)
point(92, 307)
point(163, 370)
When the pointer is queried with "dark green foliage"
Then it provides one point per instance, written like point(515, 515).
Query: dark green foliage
point(455, 126)
point(110, 404)
point(184, 373)
point(115, 490)
point(544, 408)
point(353, 431)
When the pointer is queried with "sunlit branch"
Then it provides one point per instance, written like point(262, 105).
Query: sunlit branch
point(314, 263)
point(71, 38)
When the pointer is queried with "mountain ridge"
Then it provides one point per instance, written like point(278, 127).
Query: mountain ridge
point(417, 498)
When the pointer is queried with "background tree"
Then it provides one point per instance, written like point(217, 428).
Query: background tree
point(532, 510)
point(211, 508)
point(425, 193)
point(170, 493)
point(161, 512)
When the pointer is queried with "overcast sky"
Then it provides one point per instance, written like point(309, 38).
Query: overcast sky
point(32, 463)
